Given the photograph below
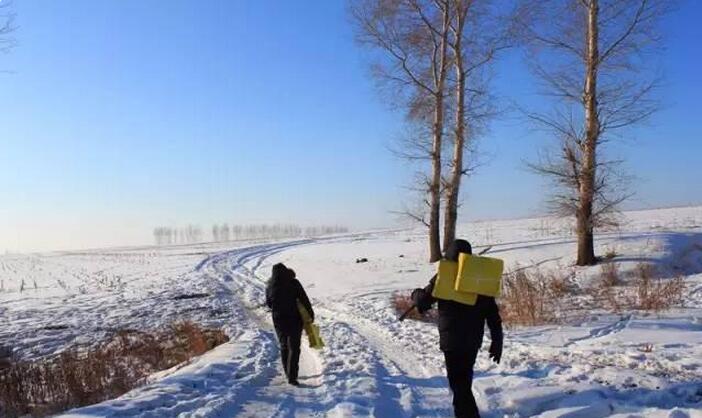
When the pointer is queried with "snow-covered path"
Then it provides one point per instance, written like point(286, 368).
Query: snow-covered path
point(357, 374)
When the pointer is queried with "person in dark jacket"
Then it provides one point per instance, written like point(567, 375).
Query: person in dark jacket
point(282, 295)
point(461, 329)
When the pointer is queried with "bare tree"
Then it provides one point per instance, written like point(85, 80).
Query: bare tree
point(479, 31)
point(224, 232)
point(6, 27)
point(593, 58)
point(411, 37)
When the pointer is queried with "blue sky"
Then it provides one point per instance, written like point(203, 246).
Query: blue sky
point(118, 116)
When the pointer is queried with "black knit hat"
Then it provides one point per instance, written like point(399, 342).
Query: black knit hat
point(457, 247)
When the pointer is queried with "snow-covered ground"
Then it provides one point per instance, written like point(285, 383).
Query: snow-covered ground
point(594, 364)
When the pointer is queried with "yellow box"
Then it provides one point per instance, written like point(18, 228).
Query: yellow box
point(313, 335)
point(481, 275)
point(311, 329)
point(445, 284)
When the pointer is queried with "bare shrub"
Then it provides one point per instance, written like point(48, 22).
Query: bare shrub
point(81, 376)
point(402, 301)
point(654, 293)
point(70, 379)
point(607, 289)
point(610, 275)
point(645, 291)
point(559, 286)
point(611, 254)
point(193, 336)
point(533, 297)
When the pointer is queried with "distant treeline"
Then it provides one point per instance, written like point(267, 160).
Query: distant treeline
point(191, 234)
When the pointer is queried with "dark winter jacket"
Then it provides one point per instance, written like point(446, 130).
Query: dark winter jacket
point(461, 327)
point(282, 294)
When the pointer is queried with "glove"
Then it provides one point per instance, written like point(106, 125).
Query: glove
point(419, 297)
point(495, 351)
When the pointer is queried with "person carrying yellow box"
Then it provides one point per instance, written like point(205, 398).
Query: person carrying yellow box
point(285, 296)
point(462, 318)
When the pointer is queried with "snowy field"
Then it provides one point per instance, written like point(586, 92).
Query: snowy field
point(593, 364)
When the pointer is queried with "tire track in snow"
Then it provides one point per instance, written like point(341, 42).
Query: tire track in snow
point(603, 331)
point(400, 368)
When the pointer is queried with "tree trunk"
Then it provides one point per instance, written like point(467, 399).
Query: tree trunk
point(454, 184)
point(586, 252)
point(437, 131)
point(435, 188)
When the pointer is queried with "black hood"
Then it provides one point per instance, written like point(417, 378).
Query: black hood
point(279, 271)
point(457, 247)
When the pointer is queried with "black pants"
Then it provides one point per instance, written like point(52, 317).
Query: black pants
point(289, 336)
point(459, 370)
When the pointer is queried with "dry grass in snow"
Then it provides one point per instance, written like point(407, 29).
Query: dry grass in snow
point(533, 297)
point(82, 376)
